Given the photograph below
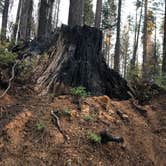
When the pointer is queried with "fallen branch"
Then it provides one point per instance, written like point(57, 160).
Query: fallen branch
point(139, 108)
point(57, 123)
point(105, 138)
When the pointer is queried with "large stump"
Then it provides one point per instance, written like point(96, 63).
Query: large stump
point(77, 60)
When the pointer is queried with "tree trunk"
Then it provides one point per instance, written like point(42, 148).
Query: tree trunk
point(4, 20)
point(57, 13)
point(56, 8)
point(45, 19)
point(135, 48)
point(42, 20)
point(25, 20)
point(98, 13)
point(155, 60)
point(145, 33)
point(77, 60)
point(164, 45)
point(76, 12)
point(117, 45)
point(88, 18)
point(50, 19)
point(17, 21)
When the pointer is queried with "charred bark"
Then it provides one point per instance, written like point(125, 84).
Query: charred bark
point(77, 60)
point(76, 12)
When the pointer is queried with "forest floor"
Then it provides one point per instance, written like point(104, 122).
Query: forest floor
point(29, 137)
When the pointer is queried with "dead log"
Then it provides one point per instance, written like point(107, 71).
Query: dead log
point(139, 108)
point(105, 138)
point(76, 60)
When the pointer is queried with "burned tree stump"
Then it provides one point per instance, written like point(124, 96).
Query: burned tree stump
point(76, 60)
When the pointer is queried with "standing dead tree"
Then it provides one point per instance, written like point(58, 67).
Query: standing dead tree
point(76, 60)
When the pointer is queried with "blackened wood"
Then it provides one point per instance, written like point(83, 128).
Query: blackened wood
point(77, 60)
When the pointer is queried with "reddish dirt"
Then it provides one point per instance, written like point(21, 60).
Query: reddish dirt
point(29, 137)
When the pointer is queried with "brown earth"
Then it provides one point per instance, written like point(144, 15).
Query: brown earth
point(29, 137)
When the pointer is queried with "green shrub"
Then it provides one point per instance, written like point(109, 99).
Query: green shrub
point(40, 126)
point(94, 138)
point(25, 69)
point(161, 81)
point(88, 118)
point(144, 91)
point(79, 92)
point(6, 57)
point(67, 112)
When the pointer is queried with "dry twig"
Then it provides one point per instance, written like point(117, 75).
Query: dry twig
point(57, 123)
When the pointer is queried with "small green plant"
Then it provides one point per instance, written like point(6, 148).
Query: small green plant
point(94, 138)
point(40, 126)
point(88, 118)
point(67, 112)
point(79, 92)
point(51, 95)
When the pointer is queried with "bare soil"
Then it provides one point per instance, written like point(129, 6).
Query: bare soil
point(29, 137)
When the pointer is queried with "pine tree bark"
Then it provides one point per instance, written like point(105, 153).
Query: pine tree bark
point(17, 21)
point(4, 20)
point(42, 21)
point(24, 30)
point(88, 18)
point(76, 12)
point(136, 42)
point(45, 19)
point(56, 16)
point(76, 60)
point(117, 44)
point(98, 13)
point(164, 45)
point(145, 33)
point(50, 19)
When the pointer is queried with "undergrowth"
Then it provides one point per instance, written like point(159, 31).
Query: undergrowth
point(40, 126)
point(79, 91)
point(93, 137)
point(161, 81)
point(88, 118)
point(7, 57)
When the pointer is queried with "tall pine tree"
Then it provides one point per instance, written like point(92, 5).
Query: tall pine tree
point(4, 19)
point(88, 18)
point(164, 45)
point(117, 44)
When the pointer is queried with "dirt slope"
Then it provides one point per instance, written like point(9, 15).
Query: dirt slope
point(29, 137)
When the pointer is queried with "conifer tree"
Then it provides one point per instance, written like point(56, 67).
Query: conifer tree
point(109, 14)
point(164, 44)
point(117, 44)
point(98, 13)
point(76, 10)
point(88, 12)
point(4, 19)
